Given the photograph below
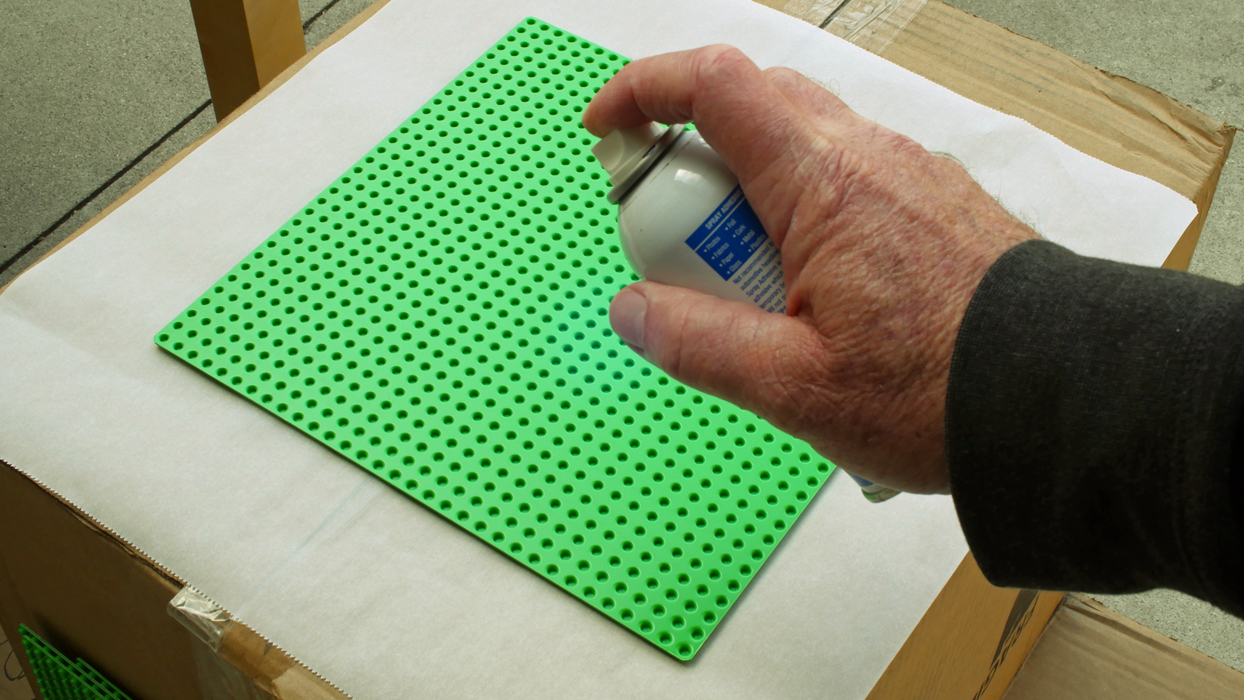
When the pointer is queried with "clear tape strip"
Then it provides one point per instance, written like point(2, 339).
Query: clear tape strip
point(818, 12)
point(207, 621)
point(236, 663)
point(871, 24)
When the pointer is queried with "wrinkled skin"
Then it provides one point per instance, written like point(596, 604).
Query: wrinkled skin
point(882, 246)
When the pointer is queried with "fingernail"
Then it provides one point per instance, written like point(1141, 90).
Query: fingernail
point(626, 317)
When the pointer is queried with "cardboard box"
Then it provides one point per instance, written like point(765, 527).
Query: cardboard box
point(92, 594)
point(1090, 651)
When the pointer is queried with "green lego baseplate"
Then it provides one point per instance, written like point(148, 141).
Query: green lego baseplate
point(439, 315)
point(61, 679)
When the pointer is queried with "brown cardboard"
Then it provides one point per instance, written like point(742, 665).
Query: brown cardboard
point(90, 594)
point(245, 44)
point(100, 598)
point(272, 669)
point(1090, 651)
point(971, 641)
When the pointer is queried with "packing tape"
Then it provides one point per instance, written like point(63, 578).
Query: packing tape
point(869, 24)
point(236, 663)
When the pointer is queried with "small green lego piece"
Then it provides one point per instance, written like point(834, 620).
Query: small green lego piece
point(61, 679)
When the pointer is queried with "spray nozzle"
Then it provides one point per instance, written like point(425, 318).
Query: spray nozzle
point(627, 153)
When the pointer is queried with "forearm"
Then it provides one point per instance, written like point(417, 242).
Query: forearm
point(1093, 423)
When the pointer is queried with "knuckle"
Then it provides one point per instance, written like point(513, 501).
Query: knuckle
point(781, 75)
point(719, 63)
point(893, 141)
point(723, 54)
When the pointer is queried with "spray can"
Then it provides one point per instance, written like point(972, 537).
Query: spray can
point(683, 221)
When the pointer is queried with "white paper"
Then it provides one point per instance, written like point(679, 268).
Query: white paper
point(366, 586)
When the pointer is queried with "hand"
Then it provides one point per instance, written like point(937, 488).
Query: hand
point(882, 246)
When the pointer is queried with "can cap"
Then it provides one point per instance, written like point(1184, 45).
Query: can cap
point(626, 154)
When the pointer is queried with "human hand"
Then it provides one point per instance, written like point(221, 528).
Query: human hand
point(882, 247)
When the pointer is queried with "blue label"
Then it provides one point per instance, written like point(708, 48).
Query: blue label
point(733, 243)
point(729, 236)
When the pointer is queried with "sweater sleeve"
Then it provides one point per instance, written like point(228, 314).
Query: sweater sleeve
point(1095, 427)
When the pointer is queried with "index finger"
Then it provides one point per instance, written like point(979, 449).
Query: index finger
point(742, 115)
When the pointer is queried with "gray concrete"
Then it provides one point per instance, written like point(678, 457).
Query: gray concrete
point(86, 87)
point(333, 17)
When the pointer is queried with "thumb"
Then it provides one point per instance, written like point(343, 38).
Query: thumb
point(771, 364)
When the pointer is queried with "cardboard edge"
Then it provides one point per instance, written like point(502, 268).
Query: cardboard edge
point(100, 530)
point(1143, 131)
point(992, 630)
point(245, 44)
point(1089, 650)
point(1181, 255)
point(269, 667)
point(89, 541)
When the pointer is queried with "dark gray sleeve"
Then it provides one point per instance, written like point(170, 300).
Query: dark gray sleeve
point(1093, 427)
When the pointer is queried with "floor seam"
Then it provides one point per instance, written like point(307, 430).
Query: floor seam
point(306, 26)
point(86, 201)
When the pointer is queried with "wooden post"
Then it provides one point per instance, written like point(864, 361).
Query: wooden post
point(245, 44)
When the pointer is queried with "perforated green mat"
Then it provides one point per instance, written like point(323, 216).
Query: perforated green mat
point(62, 679)
point(439, 315)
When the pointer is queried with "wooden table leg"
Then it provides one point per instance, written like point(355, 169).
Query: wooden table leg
point(245, 44)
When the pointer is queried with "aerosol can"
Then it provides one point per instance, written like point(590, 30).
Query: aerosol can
point(684, 221)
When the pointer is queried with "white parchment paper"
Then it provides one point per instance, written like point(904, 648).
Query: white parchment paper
point(366, 586)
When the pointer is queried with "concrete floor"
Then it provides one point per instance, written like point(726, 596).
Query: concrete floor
point(95, 95)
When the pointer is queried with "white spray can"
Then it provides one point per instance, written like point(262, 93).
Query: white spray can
point(683, 221)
